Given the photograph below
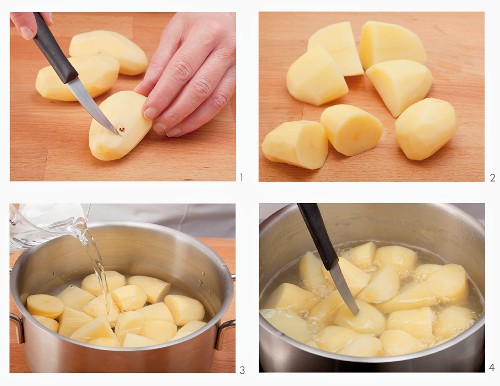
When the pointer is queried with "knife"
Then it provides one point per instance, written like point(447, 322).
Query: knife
point(315, 224)
point(66, 72)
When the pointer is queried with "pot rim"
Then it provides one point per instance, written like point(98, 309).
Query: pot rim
point(210, 253)
point(276, 216)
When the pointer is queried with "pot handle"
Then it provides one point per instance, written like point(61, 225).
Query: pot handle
point(221, 333)
point(19, 327)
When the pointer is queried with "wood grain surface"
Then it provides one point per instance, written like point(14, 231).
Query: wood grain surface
point(49, 139)
point(224, 360)
point(455, 48)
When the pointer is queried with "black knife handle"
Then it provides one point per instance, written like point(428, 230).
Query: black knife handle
point(49, 47)
point(316, 225)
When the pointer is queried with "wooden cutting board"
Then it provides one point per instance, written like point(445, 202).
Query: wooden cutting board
point(455, 48)
point(224, 360)
point(49, 139)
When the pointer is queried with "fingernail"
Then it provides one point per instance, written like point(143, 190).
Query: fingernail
point(159, 127)
point(150, 113)
point(27, 33)
point(175, 132)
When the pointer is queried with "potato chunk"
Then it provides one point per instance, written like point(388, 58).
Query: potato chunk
point(423, 271)
point(96, 328)
point(188, 329)
point(129, 297)
point(288, 323)
point(416, 322)
point(402, 258)
point(363, 346)
point(450, 284)
point(369, 320)
point(44, 305)
point(158, 330)
point(184, 309)
point(299, 143)
point(399, 342)
point(400, 83)
point(355, 278)
point(351, 130)
point(75, 297)
point(312, 275)
point(107, 342)
point(315, 78)
point(51, 324)
point(134, 340)
point(383, 285)
point(71, 320)
point(384, 41)
point(416, 296)
point(130, 321)
point(425, 127)
point(362, 255)
point(338, 40)
point(97, 307)
point(91, 283)
point(132, 58)
point(323, 313)
point(334, 338)
point(155, 289)
point(124, 111)
point(158, 311)
point(98, 73)
point(291, 297)
point(452, 321)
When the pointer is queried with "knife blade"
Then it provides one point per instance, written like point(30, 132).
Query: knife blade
point(66, 72)
point(316, 226)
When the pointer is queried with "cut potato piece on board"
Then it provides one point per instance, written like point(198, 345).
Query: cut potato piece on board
point(71, 320)
point(362, 255)
point(130, 321)
point(369, 320)
point(97, 307)
point(291, 297)
point(425, 127)
point(184, 309)
point(383, 285)
point(91, 282)
point(124, 111)
point(338, 40)
point(351, 130)
point(155, 289)
point(399, 342)
point(323, 313)
point(288, 323)
point(188, 329)
point(400, 83)
point(75, 297)
point(416, 322)
point(355, 278)
point(384, 41)
point(450, 284)
point(423, 271)
point(158, 330)
point(298, 143)
point(363, 346)
point(44, 305)
point(132, 58)
point(311, 270)
point(107, 342)
point(97, 328)
point(452, 321)
point(416, 296)
point(404, 259)
point(158, 311)
point(98, 73)
point(51, 324)
point(134, 340)
point(334, 338)
point(129, 297)
point(315, 78)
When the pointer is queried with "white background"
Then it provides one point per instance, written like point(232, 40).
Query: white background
point(248, 193)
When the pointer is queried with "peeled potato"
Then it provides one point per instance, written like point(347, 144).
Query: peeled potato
point(338, 40)
point(132, 58)
point(51, 324)
point(184, 309)
point(157, 311)
point(188, 329)
point(404, 259)
point(334, 338)
point(107, 342)
point(362, 255)
point(75, 297)
point(416, 296)
point(134, 340)
point(351, 130)
point(355, 278)
point(425, 127)
point(96, 328)
point(98, 73)
point(155, 289)
point(450, 284)
point(288, 323)
point(129, 297)
point(384, 41)
point(299, 143)
point(130, 321)
point(416, 322)
point(311, 274)
point(400, 83)
point(97, 307)
point(383, 285)
point(369, 320)
point(363, 346)
point(452, 321)
point(71, 320)
point(91, 283)
point(44, 305)
point(315, 78)
point(399, 342)
point(158, 330)
point(291, 297)
point(423, 271)
point(323, 313)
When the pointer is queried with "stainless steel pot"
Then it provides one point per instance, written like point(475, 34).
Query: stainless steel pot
point(132, 249)
point(440, 228)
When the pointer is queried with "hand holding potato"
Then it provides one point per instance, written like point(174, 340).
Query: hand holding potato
point(192, 74)
point(25, 23)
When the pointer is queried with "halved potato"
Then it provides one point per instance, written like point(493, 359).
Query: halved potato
point(130, 297)
point(157, 311)
point(75, 297)
point(404, 259)
point(362, 255)
point(44, 305)
point(184, 309)
point(188, 329)
point(71, 320)
point(291, 297)
point(128, 322)
point(383, 285)
point(51, 324)
point(415, 296)
point(96, 328)
point(155, 289)
point(449, 283)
